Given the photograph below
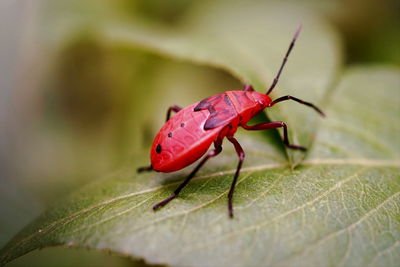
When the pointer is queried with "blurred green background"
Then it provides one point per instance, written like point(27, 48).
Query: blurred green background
point(73, 107)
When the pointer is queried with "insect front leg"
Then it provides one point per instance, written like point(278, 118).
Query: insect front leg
point(174, 108)
point(274, 125)
point(240, 152)
point(212, 153)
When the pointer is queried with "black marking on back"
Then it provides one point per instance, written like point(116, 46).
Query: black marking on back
point(169, 134)
point(221, 110)
point(240, 96)
point(207, 102)
point(227, 100)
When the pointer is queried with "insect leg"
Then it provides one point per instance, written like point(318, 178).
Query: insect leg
point(212, 153)
point(144, 169)
point(289, 97)
point(274, 125)
point(248, 88)
point(241, 155)
point(174, 108)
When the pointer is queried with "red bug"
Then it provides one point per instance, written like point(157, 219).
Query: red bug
point(187, 136)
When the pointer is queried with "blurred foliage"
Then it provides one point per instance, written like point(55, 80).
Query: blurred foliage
point(77, 107)
point(370, 30)
point(62, 257)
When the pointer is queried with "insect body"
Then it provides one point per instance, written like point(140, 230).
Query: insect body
point(187, 136)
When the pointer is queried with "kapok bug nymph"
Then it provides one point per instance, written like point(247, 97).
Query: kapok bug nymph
point(186, 137)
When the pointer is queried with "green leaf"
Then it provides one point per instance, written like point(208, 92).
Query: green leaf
point(249, 40)
point(339, 207)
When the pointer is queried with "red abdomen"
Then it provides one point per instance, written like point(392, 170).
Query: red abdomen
point(182, 140)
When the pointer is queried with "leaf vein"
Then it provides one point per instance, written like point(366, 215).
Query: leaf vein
point(343, 230)
point(383, 252)
point(285, 214)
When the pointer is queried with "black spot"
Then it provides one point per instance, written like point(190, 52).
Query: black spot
point(169, 134)
point(182, 124)
point(158, 149)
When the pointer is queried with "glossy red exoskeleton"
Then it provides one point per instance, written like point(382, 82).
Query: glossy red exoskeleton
point(187, 136)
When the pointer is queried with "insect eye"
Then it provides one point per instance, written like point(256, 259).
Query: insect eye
point(158, 149)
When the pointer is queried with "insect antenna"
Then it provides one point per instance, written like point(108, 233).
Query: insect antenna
point(284, 60)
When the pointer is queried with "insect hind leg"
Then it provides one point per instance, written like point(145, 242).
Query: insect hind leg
point(212, 153)
point(240, 152)
point(144, 169)
point(174, 108)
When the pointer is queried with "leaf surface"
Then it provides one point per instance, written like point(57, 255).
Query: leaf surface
point(339, 207)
